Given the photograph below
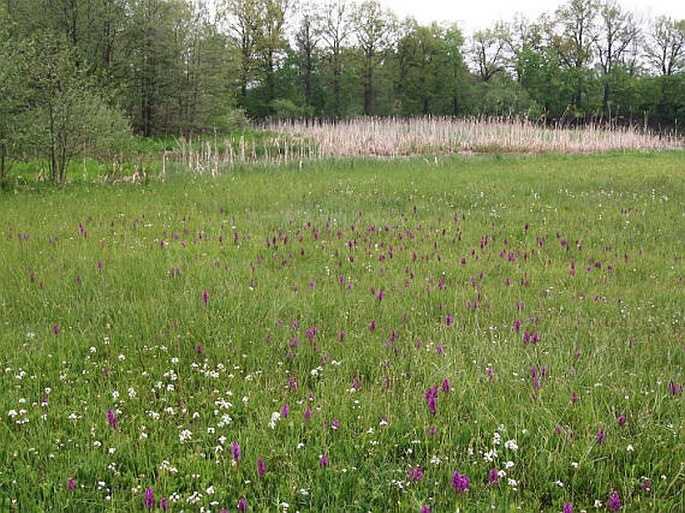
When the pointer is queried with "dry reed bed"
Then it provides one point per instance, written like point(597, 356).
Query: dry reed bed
point(405, 137)
point(374, 137)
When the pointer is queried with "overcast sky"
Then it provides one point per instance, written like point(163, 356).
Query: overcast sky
point(478, 14)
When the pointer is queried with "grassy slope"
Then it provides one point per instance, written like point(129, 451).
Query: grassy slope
point(613, 334)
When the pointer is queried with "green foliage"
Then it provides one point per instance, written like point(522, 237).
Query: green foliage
point(502, 97)
point(286, 109)
point(425, 64)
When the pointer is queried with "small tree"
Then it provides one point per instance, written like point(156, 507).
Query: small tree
point(70, 116)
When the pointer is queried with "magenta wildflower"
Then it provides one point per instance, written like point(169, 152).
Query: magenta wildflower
point(526, 337)
point(284, 411)
point(112, 419)
point(674, 388)
point(163, 504)
point(198, 349)
point(574, 397)
point(449, 319)
point(433, 431)
point(261, 467)
point(235, 450)
point(307, 415)
point(425, 508)
point(356, 384)
point(621, 420)
point(242, 504)
point(372, 325)
point(71, 484)
point(490, 371)
point(646, 485)
point(614, 503)
point(568, 508)
point(55, 329)
point(460, 482)
point(149, 498)
point(493, 476)
point(601, 437)
point(205, 297)
point(415, 474)
point(323, 461)
point(517, 325)
point(446, 386)
point(432, 399)
point(335, 424)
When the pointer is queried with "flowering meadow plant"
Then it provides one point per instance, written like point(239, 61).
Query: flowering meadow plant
point(488, 334)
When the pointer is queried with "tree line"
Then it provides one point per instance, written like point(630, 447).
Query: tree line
point(78, 74)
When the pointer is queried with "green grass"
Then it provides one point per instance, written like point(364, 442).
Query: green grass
point(101, 293)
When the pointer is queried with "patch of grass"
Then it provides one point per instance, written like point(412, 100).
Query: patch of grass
point(542, 298)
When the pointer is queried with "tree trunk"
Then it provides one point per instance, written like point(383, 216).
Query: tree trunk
point(270, 69)
point(336, 85)
point(309, 71)
point(368, 89)
point(605, 101)
point(54, 171)
point(53, 163)
point(3, 168)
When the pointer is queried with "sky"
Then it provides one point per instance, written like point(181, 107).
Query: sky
point(473, 15)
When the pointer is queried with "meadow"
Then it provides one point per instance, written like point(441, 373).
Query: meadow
point(495, 333)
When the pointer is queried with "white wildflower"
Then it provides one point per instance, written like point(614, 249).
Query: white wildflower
point(511, 445)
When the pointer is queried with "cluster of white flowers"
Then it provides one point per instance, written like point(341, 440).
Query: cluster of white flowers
point(194, 498)
point(166, 466)
point(490, 456)
point(226, 419)
point(275, 417)
point(511, 445)
point(185, 436)
point(20, 417)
